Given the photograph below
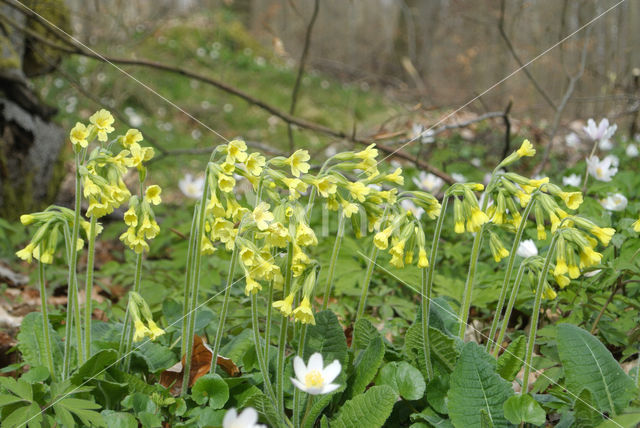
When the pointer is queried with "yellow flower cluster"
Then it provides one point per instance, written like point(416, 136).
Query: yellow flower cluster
point(139, 310)
point(141, 220)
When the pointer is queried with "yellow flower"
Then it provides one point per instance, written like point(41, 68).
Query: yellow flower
point(152, 194)
point(226, 183)
point(542, 233)
point(254, 163)
point(262, 216)
point(298, 162)
point(561, 267)
point(381, 239)
point(395, 177)
point(549, 293)
point(26, 253)
point(296, 187)
point(206, 247)
point(524, 198)
point(589, 257)
point(27, 219)
point(236, 150)
point(132, 136)
point(348, 209)
point(154, 330)
point(102, 120)
point(252, 286)
point(326, 185)
point(369, 153)
point(137, 155)
point(98, 209)
point(247, 255)
point(305, 235)
point(277, 235)
point(79, 134)
point(604, 234)
point(571, 199)
point(304, 313)
point(537, 183)
point(526, 149)
point(284, 306)
point(130, 217)
point(358, 190)
point(562, 280)
point(477, 219)
point(423, 262)
point(636, 225)
point(574, 271)
point(141, 331)
point(228, 167)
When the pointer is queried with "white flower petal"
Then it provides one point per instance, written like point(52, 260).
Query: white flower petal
point(229, 418)
point(299, 368)
point(315, 362)
point(329, 388)
point(247, 418)
point(331, 371)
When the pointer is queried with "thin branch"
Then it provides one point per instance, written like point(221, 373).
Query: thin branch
point(515, 56)
point(78, 49)
point(507, 131)
point(303, 60)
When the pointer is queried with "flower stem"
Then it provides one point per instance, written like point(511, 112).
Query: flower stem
point(507, 313)
point(73, 264)
point(188, 335)
point(45, 317)
point(373, 255)
point(66, 365)
point(282, 342)
point(264, 369)
point(507, 275)
point(334, 259)
point(225, 308)
point(89, 287)
point(189, 277)
point(465, 305)
point(427, 287)
point(129, 330)
point(267, 328)
point(535, 315)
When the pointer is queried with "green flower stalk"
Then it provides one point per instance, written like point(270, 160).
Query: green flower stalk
point(282, 341)
point(72, 302)
point(507, 314)
point(465, 305)
point(334, 259)
point(427, 287)
point(189, 278)
point(45, 317)
point(128, 333)
point(190, 311)
point(509, 271)
point(362, 304)
point(73, 264)
point(535, 315)
point(88, 310)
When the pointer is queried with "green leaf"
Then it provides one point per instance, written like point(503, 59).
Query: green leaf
point(523, 408)
point(406, 380)
point(211, 389)
point(19, 387)
point(327, 337)
point(444, 349)
point(429, 416)
point(139, 402)
point(31, 342)
point(238, 346)
point(149, 420)
point(628, 420)
point(265, 407)
point(94, 365)
point(363, 333)
point(367, 366)
point(585, 412)
point(18, 417)
point(485, 420)
point(36, 374)
point(512, 359)
point(437, 391)
point(588, 364)
point(370, 409)
point(318, 406)
point(5, 400)
point(119, 419)
point(156, 356)
point(475, 386)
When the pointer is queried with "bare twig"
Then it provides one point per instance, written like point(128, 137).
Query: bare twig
point(303, 60)
point(616, 286)
point(515, 56)
point(507, 130)
point(78, 49)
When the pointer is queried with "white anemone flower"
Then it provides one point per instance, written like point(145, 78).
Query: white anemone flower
point(428, 182)
point(192, 187)
point(602, 170)
point(572, 140)
point(458, 178)
point(247, 419)
point(614, 202)
point(572, 180)
point(527, 248)
point(409, 206)
point(601, 132)
point(314, 378)
point(632, 151)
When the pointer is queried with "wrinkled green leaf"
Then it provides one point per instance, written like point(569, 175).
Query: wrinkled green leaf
point(327, 337)
point(94, 365)
point(406, 380)
point(363, 333)
point(512, 359)
point(119, 419)
point(367, 366)
point(585, 412)
point(523, 408)
point(476, 386)
point(588, 364)
point(156, 356)
point(370, 409)
point(31, 342)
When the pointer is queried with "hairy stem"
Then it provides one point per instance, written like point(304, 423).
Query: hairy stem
point(88, 310)
point(68, 328)
point(536, 313)
point(508, 273)
point(129, 331)
point(264, 369)
point(465, 305)
point(507, 313)
point(282, 342)
point(373, 255)
point(73, 265)
point(45, 318)
point(332, 263)
point(188, 282)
